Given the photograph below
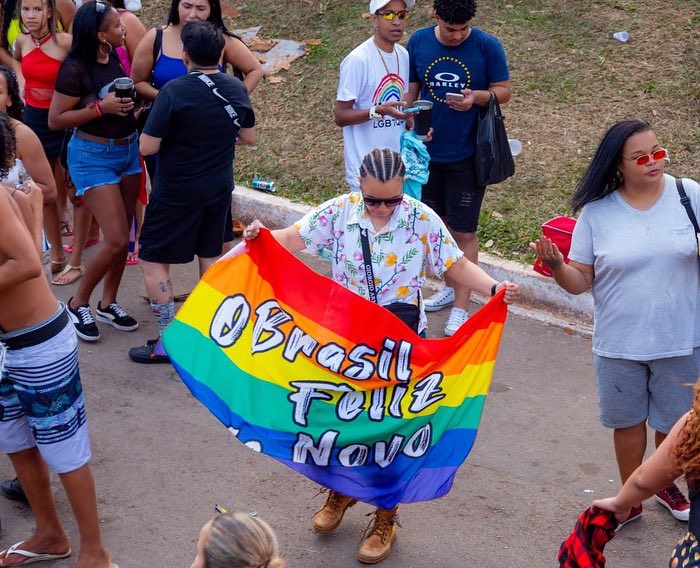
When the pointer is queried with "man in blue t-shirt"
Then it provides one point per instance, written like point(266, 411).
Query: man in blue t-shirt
point(455, 65)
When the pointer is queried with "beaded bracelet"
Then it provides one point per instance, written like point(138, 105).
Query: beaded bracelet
point(99, 111)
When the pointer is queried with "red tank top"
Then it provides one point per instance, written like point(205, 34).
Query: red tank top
point(40, 72)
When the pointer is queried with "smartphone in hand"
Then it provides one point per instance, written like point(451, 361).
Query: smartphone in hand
point(454, 96)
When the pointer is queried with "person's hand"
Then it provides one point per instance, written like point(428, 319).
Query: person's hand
point(512, 291)
point(112, 104)
point(390, 108)
point(465, 104)
point(548, 252)
point(611, 504)
point(253, 230)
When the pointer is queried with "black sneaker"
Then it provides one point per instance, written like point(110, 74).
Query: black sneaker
point(145, 354)
point(12, 489)
point(115, 316)
point(85, 326)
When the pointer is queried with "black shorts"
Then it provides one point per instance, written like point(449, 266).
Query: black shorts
point(174, 234)
point(38, 120)
point(453, 193)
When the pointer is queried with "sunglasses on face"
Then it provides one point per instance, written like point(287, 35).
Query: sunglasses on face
point(375, 202)
point(389, 15)
point(656, 155)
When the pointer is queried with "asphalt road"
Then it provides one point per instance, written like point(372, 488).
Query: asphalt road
point(161, 462)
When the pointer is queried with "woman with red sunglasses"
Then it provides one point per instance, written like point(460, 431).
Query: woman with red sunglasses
point(635, 247)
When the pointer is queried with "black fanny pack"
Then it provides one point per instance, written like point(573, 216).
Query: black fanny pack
point(407, 313)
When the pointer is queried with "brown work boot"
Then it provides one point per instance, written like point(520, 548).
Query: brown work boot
point(327, 519)
point(379, 536)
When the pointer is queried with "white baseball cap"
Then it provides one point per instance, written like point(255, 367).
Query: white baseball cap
point(375, 5)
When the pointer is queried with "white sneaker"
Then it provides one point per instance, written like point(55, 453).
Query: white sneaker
point(439, 300)
point(132, 5)
point(457, 318)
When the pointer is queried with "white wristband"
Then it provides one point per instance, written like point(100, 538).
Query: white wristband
point(374, 115)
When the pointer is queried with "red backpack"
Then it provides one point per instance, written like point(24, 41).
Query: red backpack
point(559, 229)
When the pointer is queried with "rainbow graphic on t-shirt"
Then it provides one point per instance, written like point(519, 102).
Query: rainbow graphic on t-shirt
point(390, 88)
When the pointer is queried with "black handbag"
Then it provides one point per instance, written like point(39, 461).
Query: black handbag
point(493, 159)
point(407, 313)
point(145, 109)
point(685, 201)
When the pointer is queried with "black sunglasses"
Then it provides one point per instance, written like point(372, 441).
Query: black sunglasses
point(375, 202)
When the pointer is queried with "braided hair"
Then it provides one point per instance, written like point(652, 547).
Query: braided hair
point(16, 108)
point(383, 165)
point(8, 145)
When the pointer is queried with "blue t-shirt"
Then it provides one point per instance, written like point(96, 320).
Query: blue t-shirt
point(474, 64)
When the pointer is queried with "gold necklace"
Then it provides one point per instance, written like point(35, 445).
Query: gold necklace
point(398, 63)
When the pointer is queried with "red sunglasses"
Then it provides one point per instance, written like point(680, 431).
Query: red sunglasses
point(656, 155)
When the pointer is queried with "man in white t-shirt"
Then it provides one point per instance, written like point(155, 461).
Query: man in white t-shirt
point(373, 80)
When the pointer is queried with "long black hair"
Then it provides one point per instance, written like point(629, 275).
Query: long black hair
point(602, 176)
point(8, 145)
point(215, 16)
point(8, 9)
point(16, 108)
point(89, 19)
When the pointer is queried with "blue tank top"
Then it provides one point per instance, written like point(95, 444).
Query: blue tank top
point(167, 68)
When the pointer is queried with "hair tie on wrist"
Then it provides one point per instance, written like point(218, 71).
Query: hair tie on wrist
point(493, 288)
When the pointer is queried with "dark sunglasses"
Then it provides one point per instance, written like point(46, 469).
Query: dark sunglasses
point(375, 202)
point(656, 155)
point(389, 15)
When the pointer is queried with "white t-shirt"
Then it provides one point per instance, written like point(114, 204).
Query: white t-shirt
point(645, 289)
point(365, 80)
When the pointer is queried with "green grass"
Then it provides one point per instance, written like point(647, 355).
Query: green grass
point(570, 81)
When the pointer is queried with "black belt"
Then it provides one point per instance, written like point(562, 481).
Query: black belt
point(102, 140)
point(39, 335)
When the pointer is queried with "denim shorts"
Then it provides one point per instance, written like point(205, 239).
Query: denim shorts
point(660, 390)
point(93, 164)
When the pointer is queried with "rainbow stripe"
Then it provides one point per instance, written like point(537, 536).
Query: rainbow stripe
point(390, 88)
point(333, 386)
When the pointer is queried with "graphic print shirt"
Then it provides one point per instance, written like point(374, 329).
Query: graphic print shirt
point(370, 76)
point(440, 69)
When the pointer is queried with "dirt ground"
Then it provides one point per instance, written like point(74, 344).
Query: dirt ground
point(161, 462)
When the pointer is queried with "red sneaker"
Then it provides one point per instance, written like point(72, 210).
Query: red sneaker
point(635, 513)
point(675, 502)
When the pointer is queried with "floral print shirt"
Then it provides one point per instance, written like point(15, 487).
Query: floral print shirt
point(413, 241)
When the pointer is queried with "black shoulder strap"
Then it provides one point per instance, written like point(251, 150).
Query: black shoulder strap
point(367, 259)
point(157, 46)
point(228, 107)
point(685, 201)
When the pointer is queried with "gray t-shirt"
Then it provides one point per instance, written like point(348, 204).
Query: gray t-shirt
point(645, 288)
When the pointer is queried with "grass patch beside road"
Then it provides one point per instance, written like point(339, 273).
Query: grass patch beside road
point(570, 80)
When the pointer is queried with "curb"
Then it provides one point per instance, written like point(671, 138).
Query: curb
point(542, 299)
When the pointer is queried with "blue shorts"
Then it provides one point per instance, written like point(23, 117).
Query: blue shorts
point(93, 164)
point(41, 396)
point(659, 390)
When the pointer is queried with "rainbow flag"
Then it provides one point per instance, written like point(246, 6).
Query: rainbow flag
point(330, 384)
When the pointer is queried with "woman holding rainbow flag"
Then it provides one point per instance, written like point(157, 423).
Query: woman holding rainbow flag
point(398, 236)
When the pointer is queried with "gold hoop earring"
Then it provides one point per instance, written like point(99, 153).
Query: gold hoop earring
point(108, 45)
